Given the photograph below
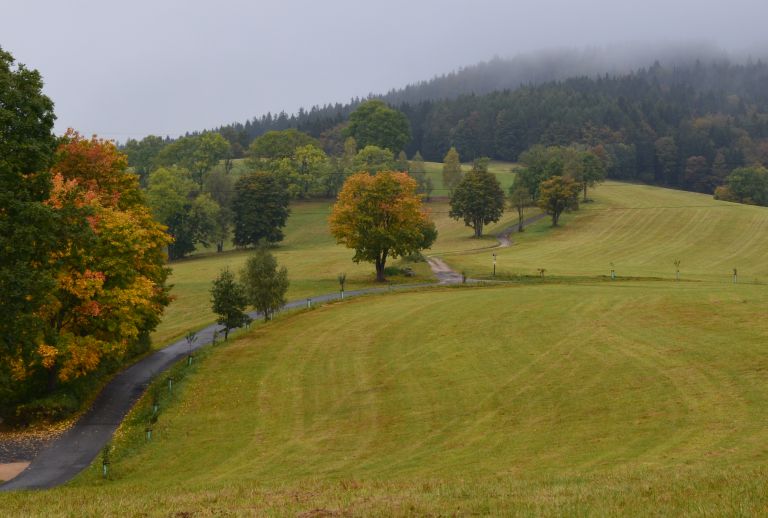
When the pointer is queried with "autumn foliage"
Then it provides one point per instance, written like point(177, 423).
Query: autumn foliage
point(381, 217)
point(109, 268)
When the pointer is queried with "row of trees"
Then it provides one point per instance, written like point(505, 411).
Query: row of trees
point(262, 285)
point(83, 271)
point(552, 177)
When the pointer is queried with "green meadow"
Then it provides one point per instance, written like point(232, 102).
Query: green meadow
point(631, 398)
point(571, 395)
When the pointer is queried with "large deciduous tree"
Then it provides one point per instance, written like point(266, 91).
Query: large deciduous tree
point(192, 219)
point(478, 199)
point(110, 274)
point(142, 155)
point(374, 123)
point(265, 284)
point(381, 217)
point(260, 209)
point(28, 230)
point(519, 198)
point(558, 194)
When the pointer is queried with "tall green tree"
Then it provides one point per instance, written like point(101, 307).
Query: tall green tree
point(142, 155)
point(373, 123)
point(478, 200)
point(590, 172)
point(260, 209)
point(418, 171)
point(228, 302)
point(221, 187)
point(451, 169)
point(557, 195)
point(668, 160)
point(519, 198)
point(191, 218)
point(265, 284)
point(28, 229)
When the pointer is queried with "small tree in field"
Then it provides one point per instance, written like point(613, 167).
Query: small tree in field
point(265, 284)
point(381, 217)
point(228, 302)
point(519, 197)
point(558, 194)
point(478, 199)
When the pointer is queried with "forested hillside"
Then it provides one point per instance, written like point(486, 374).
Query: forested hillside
point(687, 126)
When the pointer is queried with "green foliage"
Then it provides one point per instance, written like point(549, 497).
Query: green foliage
point(142, 155)
point(198, 154)
point(28, 229)
point(191, 218)
point(478, 199)
point(373, 159)
point(557, 195)
point(221, 187)
point(418, 171)
point(260, 209)
point(274, 145)
point(265, 284)
point(748, 185)
point(228, 301)
point(520, 198)
point(374, 123)
point(452, 169)
point(305, 172)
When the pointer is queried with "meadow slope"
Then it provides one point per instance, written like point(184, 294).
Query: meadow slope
point(562, 398)
point(641, 230)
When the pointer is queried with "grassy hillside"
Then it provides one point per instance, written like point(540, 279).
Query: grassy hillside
point(566, 399)
point(311, 255)
point(641, 230)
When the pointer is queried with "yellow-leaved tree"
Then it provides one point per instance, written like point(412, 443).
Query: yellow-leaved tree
point(381, 217)
point(110, 268)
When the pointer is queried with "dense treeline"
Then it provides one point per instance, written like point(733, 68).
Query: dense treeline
point(686, 127)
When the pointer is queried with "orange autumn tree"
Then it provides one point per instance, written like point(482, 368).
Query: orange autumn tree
point(381, 217)
point(110, 272)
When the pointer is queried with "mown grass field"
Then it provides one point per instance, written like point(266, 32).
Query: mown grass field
point(312, 257)
point(630, 398)
point(641, 230)
point(309, 252)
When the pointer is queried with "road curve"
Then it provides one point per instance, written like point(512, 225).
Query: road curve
point(75, 449)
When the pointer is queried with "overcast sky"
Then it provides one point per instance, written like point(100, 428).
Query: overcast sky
point(129, 68)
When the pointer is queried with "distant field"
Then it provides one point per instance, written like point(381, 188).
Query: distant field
point(641, 230)
point(503, 171)
point(564, 399)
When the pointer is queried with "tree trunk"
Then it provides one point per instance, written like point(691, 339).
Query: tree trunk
point(519, 219)
point(381, 262)
point(478, 228)
point(585, 192)
point(220, 246)
point(555, 217)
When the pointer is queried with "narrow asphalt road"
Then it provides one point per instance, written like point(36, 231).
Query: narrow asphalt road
point(73, 451)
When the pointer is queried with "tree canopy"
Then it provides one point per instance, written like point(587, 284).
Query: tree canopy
point(478, 199)
point(381, 217)
point(373, 123)
point(260, 209)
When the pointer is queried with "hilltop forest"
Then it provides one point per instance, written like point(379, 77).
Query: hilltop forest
point(686, 126)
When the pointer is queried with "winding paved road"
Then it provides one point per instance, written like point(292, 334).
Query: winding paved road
point(73, 451)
